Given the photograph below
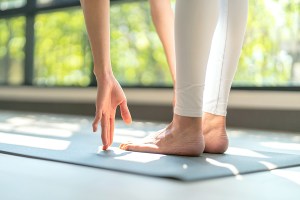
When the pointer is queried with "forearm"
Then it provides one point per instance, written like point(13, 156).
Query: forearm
point(163, 19)
point(96, 14)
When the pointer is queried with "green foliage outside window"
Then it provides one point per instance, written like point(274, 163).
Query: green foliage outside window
point(270, 56)
point(136, 52)
point(12, 41)
point(62, 54)
point(271, 52)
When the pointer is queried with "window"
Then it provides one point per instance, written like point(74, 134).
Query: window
point(271, 52)
point(62, 57)
point(62, 54)
point(136, 52)
point(12, 40)
point(11, 4)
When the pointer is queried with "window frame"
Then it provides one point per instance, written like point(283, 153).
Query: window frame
point(31, 9)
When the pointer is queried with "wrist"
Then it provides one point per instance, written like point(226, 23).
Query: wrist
point(102, 72)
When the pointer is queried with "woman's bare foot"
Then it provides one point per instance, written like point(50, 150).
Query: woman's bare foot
point(214, 131)
point(183, 137)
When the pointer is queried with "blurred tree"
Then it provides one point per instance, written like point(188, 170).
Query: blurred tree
point(12, 41)
point(62, 54)
point(137, 54)
point(272, 31)
point(270, 56)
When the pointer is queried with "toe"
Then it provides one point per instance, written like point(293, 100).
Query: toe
point(149, 148)
point(122, 145)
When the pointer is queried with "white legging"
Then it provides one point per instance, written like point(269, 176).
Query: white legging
point(208, 35)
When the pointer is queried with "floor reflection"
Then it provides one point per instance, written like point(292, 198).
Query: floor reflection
point(290, 175)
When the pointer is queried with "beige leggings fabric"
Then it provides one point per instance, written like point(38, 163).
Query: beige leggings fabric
point(208, 40)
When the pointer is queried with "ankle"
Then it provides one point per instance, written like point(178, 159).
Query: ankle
point(209, 118)
point(184, 122)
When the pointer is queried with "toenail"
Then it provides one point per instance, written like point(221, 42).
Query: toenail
point(123, 146)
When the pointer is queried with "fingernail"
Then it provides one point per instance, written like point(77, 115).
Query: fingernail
point(104, 147)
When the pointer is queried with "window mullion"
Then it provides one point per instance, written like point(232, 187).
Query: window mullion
point(29, 45)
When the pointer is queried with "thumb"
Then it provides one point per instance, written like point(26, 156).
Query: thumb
point(125, 112)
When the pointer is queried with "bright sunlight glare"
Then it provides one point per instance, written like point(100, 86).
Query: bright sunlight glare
point(30, 141)
point(244, 152)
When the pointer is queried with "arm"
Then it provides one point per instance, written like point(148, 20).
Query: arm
point(163, 19)
point(109, 92)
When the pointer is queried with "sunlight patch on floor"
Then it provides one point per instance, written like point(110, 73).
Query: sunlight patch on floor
point(131, 132)
point(36, 142)
point(53, 132)
point(20, 121)
point(268, 165)
point(282, 145)
point(132, 156)
point(228, 166)
point(244, 152)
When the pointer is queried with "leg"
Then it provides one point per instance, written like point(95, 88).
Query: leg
point(195, 21)
point(223, 60)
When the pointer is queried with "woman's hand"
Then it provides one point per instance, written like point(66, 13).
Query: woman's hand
point(109, 96)
point(109, 92)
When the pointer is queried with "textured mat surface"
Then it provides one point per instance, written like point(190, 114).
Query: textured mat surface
point(81, 149)
point(70, 141)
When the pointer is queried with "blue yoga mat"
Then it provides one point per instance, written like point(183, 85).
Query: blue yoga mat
point(81, 148)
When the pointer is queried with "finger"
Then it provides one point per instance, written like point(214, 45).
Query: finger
point(104, 131)
point(96, 121)
point(108, 133)
point(112, 129)
point(112, 125)
point(125, 112)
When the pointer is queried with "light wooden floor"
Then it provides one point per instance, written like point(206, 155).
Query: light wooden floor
point(32, 179)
